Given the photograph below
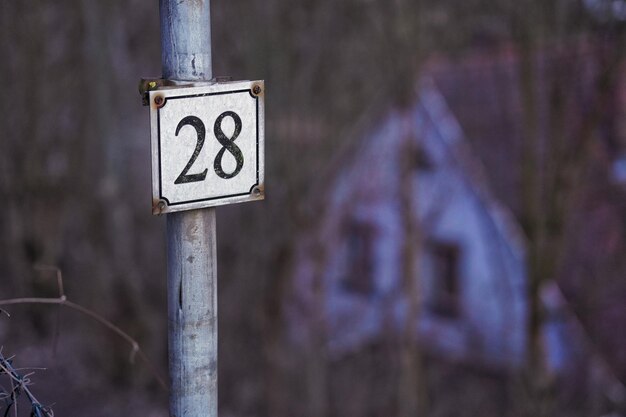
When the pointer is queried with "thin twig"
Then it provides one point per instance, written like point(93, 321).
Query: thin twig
point(13, 397)
point(20, 383)
point(59, 276)
point(62, 300)
point(30, 368)
point(136, 350)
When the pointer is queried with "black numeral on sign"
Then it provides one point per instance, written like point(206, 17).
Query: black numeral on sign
point(228, 144)
point(201, 131)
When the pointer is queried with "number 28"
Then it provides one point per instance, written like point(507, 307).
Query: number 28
point(228, 144)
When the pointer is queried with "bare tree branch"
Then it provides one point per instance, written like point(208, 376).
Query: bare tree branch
point(63, 301)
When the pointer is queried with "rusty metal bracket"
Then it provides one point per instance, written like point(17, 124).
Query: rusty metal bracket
point(148, 84)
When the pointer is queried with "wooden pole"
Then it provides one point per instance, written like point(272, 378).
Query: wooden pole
point(191, 237)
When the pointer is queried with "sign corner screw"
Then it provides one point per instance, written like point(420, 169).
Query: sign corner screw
point(159, 101)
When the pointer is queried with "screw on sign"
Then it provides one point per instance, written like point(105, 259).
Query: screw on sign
point(207, 145)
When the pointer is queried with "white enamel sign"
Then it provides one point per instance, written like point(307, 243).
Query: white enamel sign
point(207, 145)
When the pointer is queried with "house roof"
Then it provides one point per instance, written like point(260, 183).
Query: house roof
point(433, 104)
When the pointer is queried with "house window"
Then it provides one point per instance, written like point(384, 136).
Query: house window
point(415, 157)
point(421, 160)
point(444, 294)
point(359, 277)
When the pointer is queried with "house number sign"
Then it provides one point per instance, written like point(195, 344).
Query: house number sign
point(207, 145)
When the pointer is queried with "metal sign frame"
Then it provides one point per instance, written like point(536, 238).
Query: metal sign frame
point(158, 100)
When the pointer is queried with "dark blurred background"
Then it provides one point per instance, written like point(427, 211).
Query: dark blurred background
point(534, 93)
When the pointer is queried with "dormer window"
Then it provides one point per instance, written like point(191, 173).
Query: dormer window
point(443, 299)
point(415, 157)
point(359, 277)
point(421, 160)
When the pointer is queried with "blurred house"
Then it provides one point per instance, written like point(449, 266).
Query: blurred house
point(408, 224)
point(410, 221)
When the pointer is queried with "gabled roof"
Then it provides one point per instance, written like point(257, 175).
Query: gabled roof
point(368, 153)
point(431, 104)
